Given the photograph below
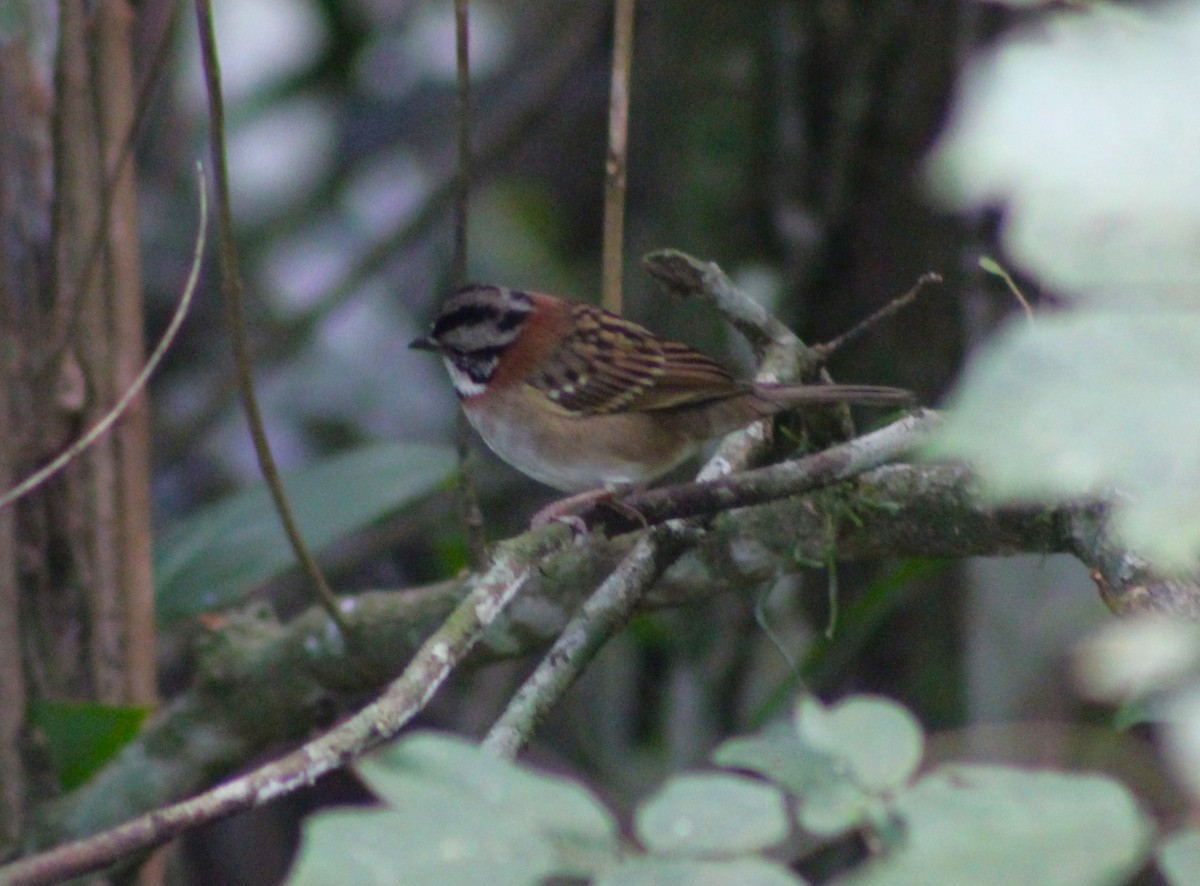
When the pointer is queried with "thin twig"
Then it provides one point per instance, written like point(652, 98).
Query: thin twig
point(825, 350)
point(781, 354)
point(139, 382)
point(991, 266)
point(379, 721)
point(780, 357)
point(603, 614)
point(617, 158)
point(831, 588)
point(468, 494)
point(234, 299)
point(687, 277)
point(462, 49)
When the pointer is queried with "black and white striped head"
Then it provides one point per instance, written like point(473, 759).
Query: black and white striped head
point(472, 329)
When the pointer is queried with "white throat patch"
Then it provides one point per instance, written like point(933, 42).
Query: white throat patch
point(463, 383)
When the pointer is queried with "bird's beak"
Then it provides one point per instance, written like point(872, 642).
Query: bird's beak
point(424, 343)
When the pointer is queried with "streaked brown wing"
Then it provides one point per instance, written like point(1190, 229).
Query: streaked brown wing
point(607, 364)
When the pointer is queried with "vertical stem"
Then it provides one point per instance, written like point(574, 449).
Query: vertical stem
point(233, 294)
point(615, 165)
point(20, 119)
point(468, 495)
point(86, 514)
point(115, 104)
point(462, 48)
point(12, 668)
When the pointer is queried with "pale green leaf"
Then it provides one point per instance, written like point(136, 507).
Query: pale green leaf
point(839, 806)
point(992, 826)
point(1086, 128)
point(1179, 858)
point(416, 844)
point(776, 753)
point(1090, 404)
point(449, 764)
point(879, 741)
point(1179, 717)
point(712, 813)
point(445, 776)
point(839, 761)
point(653, 871)
point(831, 803)
point(1134, 657)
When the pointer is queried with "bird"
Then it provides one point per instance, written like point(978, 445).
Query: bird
point(581, 399)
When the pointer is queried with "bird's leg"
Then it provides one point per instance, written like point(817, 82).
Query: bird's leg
point(567, 510)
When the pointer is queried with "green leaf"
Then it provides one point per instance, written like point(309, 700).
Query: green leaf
point(879, 740)
point(223, 551)
point(1179, 858)
point(990, 825)
point(1078, 405)
point(454, 811)
point(83, 735)
point(711, 813)
point(1178, 713)
point(777, 754)
point(652, 871)
point(839, 761)
point(453, 766)
point(1131, 658)
point(383, 848)
point(1086, 127)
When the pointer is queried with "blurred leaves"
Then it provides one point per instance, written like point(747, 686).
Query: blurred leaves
point(878, 742)
point(451, 813)
point(1133, 658)
point(1077, 404)
point(1151, 666)
point(1085, 128)
point(223, 551)
point(712, 813)
point(1179, 858)
point(653, 871)
point(991, 825)
point(850, 765)
point(453, 810)
point(838, 760)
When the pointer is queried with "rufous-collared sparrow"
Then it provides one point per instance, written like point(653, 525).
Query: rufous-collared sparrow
point(579, 398)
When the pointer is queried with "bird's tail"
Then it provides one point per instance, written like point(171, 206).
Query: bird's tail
point(787, 396)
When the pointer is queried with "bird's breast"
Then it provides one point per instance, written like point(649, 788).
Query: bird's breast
point(573, 452)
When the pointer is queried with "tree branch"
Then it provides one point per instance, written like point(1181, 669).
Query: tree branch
point(262, 683)
point(404, 697)
point(602, 615)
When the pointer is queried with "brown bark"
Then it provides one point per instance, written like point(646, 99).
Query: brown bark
point(24, 162)
point(114, 21)
point(76, 596)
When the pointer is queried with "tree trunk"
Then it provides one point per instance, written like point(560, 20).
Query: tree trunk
point(76, 598)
